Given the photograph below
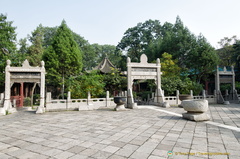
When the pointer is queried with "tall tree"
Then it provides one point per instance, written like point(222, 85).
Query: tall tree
point(63, 57)
point(202, 60)
point(108, 51)
point(35, 51)
point(89, 55)
point(136, 39)
point(236, 48)
point(226, 52)
point(7, 44)
point(23, 49)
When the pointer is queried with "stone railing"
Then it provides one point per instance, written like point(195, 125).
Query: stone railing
point(77, 104)
point(174, 100)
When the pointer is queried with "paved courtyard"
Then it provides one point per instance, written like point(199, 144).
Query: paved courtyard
point(148, 132)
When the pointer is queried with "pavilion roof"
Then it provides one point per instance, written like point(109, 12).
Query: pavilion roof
point(105, 66)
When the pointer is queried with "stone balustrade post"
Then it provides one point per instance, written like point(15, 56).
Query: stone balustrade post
point(191, 93)
point(177, 97)
point(204, 94)
point(107, 99)
point(68, 99)
point(88, 98)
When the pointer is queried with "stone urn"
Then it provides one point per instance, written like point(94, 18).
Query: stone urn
point(196, 109)
point(120, 101)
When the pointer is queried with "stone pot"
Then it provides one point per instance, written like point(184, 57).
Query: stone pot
point(185, 97)
point(120, 101)
point(195, 106)
point(196, 110)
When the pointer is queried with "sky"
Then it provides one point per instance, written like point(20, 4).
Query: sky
point(105, 21)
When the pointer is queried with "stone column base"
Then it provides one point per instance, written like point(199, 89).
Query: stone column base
point(2, 111)
point(12, 110)
point(40, 110)
point(196, 116)
point(133, 106)
point(164, 104)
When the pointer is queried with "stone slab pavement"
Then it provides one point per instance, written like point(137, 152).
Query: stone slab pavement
point(148, 132)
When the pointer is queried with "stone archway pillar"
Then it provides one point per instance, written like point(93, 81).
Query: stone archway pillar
point(7, 102)
point(41, 108)
point(159, 94)
point(130, 101)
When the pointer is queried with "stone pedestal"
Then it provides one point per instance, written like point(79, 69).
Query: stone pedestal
point(120, 107)
point(196, 116)
point(196, 110)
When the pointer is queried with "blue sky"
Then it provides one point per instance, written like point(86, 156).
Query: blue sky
point(105, 21)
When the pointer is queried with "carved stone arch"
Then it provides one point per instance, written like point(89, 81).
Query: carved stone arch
point(26, 73)
point(143, 70)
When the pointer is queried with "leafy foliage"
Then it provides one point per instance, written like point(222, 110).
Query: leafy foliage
point(108, 51)
point(136, 40)
point(226, 53)
point(63, 57)
point(171, 84)
point(169, 66)
point(87, 82)
point(7, 45)
point(115, 81)
point(35, 51)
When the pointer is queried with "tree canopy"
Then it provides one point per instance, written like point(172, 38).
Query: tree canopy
point(63, 57)
point(154, 39)
point(7, 44)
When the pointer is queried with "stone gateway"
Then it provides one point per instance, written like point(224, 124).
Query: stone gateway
point(26, 73)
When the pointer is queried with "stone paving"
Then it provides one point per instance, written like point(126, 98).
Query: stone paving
point(148, 132)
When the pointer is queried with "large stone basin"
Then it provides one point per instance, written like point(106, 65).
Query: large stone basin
point(196, 110)
point(120, 101)
point(195, 106)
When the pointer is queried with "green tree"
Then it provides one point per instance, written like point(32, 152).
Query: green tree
point(136, 39)
point(108, 51)
point(23, 49)
point(23, 46)
point(35, 51)
point(87, 82)
point(226, 52)
point(7, 44)
point(194, 54)
point(169, 66)
point(63, 57)
point(236, 47)
point(49, 33)
point(202, 60)
point(115, 81)
point(89, 55)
